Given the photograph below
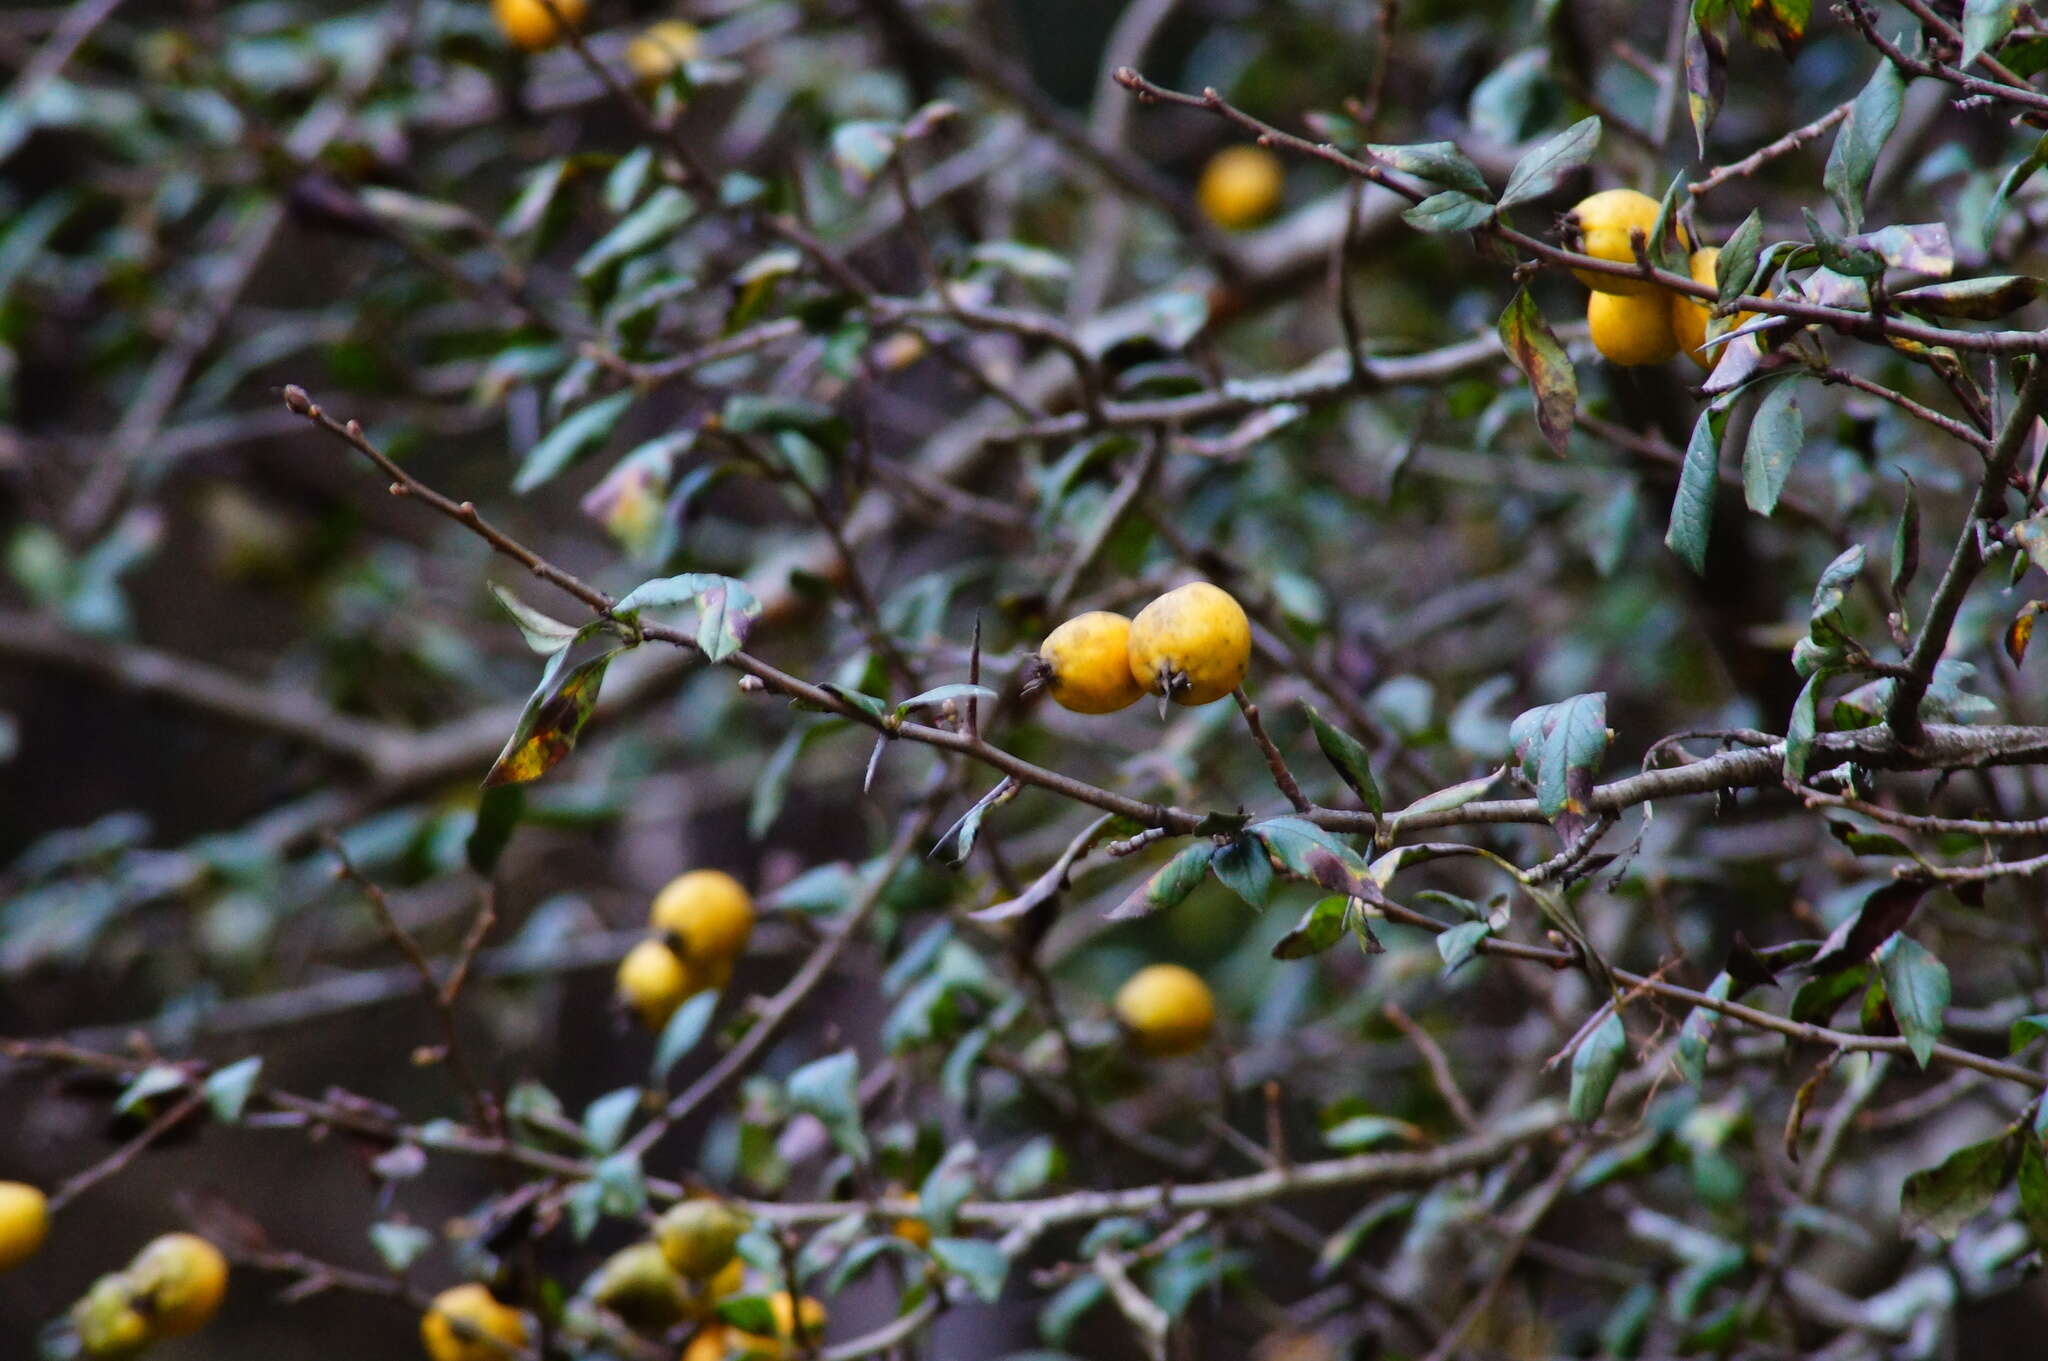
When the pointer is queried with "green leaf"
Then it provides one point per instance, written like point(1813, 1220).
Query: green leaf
point(944, 694)
point(1535, 350)
point(1799, 731)
point(1031, 1169)
point(571, 439)
point(1319, 928)
point(684, 1029)
point(1057, 1318)
point(2025, 1031)
point(1241, 866)
point(497, 817)
point(862, 150)
point(2033, 1182)
point(1985, 25)
point(749, 1314)
point(1776, 435)
point(227, 1089)
point(1348, 755)
point(1443, 800)
point(1832, 589)
point(1906, 544)
point(1861, 139)
point(726, 609)
point(829, 1088)
point(1916, 984)
point(981, 1264)
point(746, 414)
point(1301, 850)
point(554, 714)
point(1594, 1067)
point(1460, 943)
point(544, 634)
point(652, 223)
point(1692, 509)
point(1542, 169)
point(155, 1080)
point(1167, 885)
point(1698, 1031)
point(1438, 162)
point(1560, 747)
point(1706, 72)
point(1449, 210)
point(399, 1245)
point(1945, 1197)
point(605, 1119)
point(1735, 267)
point(1361, 1132)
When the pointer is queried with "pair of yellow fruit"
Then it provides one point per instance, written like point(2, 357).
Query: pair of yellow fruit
point(1166, 1010)
point(652, 56)
point(699, 923)
point(1634, 321)
point(1192, 645)
point(798, 1325)
point(174, 1285)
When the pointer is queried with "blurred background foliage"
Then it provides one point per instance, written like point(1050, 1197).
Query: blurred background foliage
point(221, 639)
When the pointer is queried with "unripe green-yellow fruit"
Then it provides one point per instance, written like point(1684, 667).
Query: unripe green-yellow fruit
point(1166, 1009)
point(1086, 663)
point(179, 1281)
point(106, 1321)
point(698, 1236)
point(708, 1345)
point(24, 1220)
point(1240, 187)
point(1630, 330)
point(528, 24)
point(1604, 226)
point(707, 913)
point(1192, 645)
point(657, 52)
point(639, 1285)
point(652, 982)
point(466, 1323)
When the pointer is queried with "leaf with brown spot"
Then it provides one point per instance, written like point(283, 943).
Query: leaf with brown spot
point(1534, 347)
point(2021, 631)
point(556, 711)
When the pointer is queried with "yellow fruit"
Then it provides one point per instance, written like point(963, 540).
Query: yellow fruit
point(528, 24)
point(705, 1294)
point(652, 982)
point(794, 1325)
point(639, 1285)
point(1086, 663)
point(913, 1231)
point(656, 53)
point(1629, 330)
point(106, 1320)
point(466, 1323)
point(178, 1281)
point(1167, 1009)
point(1192, 645)
point(1603, 226)
point(1240, 187)
point(24, 1219)
point(1689, 316)
point(698, 1236)
point(708, 1345)
point(708, 913)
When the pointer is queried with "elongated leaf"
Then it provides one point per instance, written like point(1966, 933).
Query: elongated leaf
point(684, 1029)
point(497, 817)
point(1460, 943)
point(828, 1088)
point(1535, 350)
point(1170, 883)
point(1540, 171)
point(861, 150)
point(1906, 544)
point(1706, 72)
point(227, 1089)
point(1456, 796)
point(544, 634)
point(1348, 755)
point(1594, 1068)
point(1319, 928)
point(1800, 729)
point(1438, 162)
point(1692, 509)
point(1916, 984)
point(1736, 266)
point(1301, 850)
point(1985, 24)
point(1776, 434)
point(1698, 1031)
point(653, 222)
point(554, 714)
point(571, 439)
point(1861, 139)
point(1973, 299)
point(1560, 747)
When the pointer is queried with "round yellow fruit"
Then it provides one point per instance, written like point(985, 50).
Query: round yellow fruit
point(1689, 316)
point(708, 913)
point(656, 53)
point(1087, 664)
point(1240, 187)
point(795, 1324)
point(652, 982)
point(1604, 226)
point(24, 1219)
point(178, 1281)
point(466, 1323)
point(106, 1321)
point(915, 1232)
point(639, 1285)
point(1167, 1009)
point(1193, 644)
point(698, 1236)
point(528, 24)
point(1629, 330)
